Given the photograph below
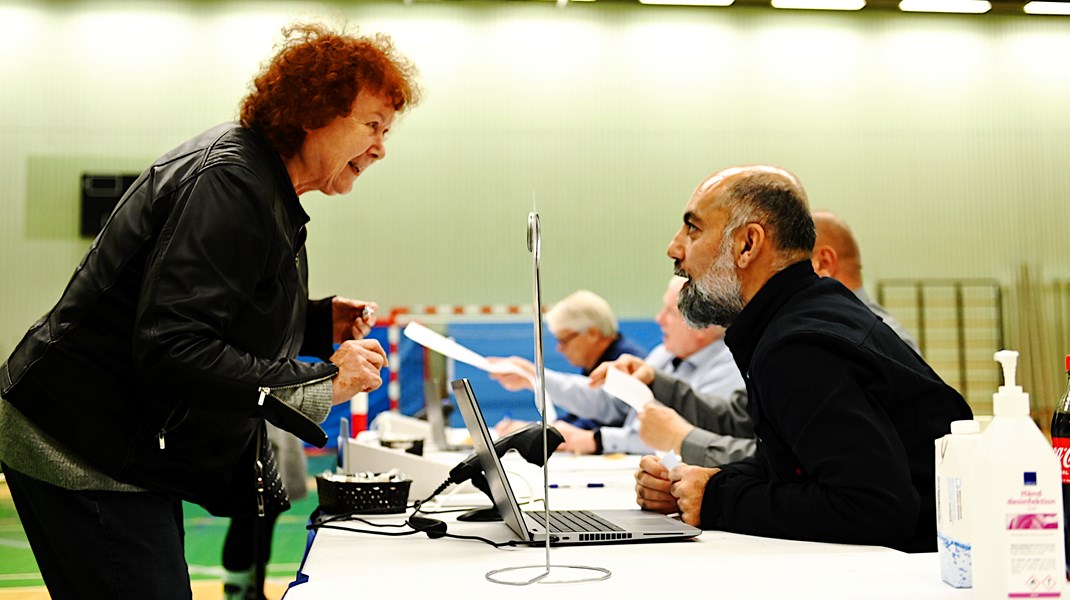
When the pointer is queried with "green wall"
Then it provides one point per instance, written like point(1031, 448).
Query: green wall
point(942, 139)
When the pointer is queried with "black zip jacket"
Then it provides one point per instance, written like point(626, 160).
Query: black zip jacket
point(846, 415)
point(158, 361)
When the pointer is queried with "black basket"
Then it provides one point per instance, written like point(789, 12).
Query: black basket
point(366, 497)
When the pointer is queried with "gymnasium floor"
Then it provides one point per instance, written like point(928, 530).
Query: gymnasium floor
point(20, 579)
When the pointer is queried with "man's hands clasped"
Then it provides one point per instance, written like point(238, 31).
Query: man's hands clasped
point(678, 491)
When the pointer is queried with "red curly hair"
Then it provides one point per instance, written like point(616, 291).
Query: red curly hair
point(316, 76)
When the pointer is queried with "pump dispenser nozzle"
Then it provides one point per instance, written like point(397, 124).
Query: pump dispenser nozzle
point(1008, 359)
point(1010, 399)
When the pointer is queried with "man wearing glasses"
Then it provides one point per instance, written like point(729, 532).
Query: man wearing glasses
point(587, 335)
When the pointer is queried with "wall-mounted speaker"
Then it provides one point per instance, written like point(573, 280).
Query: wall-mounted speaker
point(100, 194)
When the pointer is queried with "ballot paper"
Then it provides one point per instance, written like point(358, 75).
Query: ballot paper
point(447, 347)
point(633, 392)
point(451, 349)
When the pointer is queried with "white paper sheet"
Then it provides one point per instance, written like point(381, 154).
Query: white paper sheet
point(629, 389)
point(445, 346)
point(451, 349)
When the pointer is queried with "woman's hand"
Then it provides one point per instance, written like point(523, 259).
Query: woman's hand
point(352, 319)
point(359, 363)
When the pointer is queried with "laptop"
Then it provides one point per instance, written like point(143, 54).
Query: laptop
point(567, 527)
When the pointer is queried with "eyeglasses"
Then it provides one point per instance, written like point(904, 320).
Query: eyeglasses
point(565, 340)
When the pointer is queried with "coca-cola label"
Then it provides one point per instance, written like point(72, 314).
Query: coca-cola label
point(1061, 445)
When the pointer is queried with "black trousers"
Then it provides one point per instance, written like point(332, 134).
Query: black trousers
point(98, 544)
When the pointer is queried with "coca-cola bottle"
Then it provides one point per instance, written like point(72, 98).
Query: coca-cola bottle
point(1060, 441)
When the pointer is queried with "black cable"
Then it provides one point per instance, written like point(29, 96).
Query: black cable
point(445, 484)
point(466, 508)
point(433, 528)
point(354, 530)
point(350, 516)
point(506, 544)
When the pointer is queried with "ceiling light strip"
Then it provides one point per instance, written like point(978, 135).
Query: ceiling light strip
point(688, 2)
point(820, 4)
point(1047, 8)
point(946, 6)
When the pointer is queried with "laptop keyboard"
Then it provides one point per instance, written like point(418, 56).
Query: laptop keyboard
point(573, 521)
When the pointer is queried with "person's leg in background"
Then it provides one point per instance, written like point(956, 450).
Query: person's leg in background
point(91, 543)
point(240, 581)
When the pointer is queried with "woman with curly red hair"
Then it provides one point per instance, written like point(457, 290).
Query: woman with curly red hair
point(176, 339)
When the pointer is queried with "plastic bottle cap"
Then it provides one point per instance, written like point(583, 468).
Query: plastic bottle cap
point(965, 426)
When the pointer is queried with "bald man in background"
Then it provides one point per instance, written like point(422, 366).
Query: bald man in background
point(836, 255)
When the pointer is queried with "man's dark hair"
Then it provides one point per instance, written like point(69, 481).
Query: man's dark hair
point(775, 200)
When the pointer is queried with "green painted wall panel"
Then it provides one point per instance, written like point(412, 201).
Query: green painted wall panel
point(942, 139)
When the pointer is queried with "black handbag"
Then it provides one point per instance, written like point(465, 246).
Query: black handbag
point(271, 496)
point(256, 488)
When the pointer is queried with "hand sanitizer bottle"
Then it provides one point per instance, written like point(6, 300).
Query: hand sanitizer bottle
point(1015, 499)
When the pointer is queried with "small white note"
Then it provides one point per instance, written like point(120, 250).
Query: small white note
point(633, 392)
point(669, 459)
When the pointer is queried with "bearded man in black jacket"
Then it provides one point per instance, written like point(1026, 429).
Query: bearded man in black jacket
point(844, 411)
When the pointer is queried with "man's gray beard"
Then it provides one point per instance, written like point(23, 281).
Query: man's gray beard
point(715, 298)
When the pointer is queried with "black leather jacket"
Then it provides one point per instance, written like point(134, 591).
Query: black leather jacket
point(158, 361)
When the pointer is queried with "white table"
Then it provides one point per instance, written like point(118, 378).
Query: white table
point(716, 564)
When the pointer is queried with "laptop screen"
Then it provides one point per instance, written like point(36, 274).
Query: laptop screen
point(500, 490)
